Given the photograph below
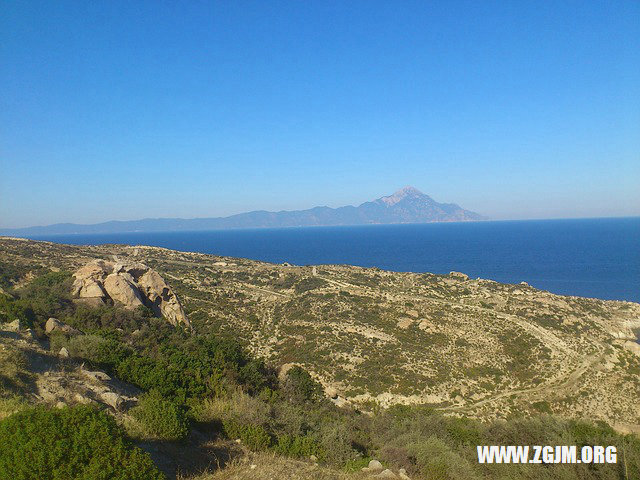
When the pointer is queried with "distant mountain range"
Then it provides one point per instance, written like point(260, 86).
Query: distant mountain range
point(407, 205)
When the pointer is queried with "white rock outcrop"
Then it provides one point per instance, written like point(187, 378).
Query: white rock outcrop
point(14, 326)
point(386, 474)
point(374, 466)
point(121, 288)
point(161, 298)
point(54, 325)
point(131, 285)
point(88, 282)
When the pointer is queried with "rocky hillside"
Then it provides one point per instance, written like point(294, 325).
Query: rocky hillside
point(467, 347)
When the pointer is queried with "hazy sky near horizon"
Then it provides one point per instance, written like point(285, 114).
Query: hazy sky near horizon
point(126, 110)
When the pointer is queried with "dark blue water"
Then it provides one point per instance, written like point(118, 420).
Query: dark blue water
point(586, 257)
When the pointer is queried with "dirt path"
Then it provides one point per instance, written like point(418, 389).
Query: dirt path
point(552, 388)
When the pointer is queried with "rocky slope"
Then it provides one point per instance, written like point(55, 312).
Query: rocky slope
point(51, 378)
point(467, 347)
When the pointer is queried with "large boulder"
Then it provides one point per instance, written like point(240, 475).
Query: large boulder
point(54, 325)
point(121, 288)
point(374, 466)
point(112, 399)
point(87, 283)
point(402, 473)
point(14, 326)
point(161, 298)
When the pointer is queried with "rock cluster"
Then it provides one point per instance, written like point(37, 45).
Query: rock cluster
point(376, 469)
point(459, 275)
point(57, 380)
point(132, 285)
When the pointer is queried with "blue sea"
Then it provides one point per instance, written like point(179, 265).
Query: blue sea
point(587, 257)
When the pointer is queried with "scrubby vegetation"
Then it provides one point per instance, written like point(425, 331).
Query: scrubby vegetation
point(71, 443)
point(160, 418)
point(45, 296)
point(210, 382)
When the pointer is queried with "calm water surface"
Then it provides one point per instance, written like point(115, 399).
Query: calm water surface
point(587, 257)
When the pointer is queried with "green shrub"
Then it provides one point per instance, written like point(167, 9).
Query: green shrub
point(297, 446)
point(463, 431)
point(542, 406)
point(57, 340)
point(254, 437)
point(16, 309)
point(539, 430)
point(209, 410)
point(88, 318)
point(47, 296)
point(300, 387)
point(160, 418)
point(356, 465)
point(184, 366)
point(335, 444)
point(101, 350)
point(310, 283)
point(70, 443)
point(11, 273)
point(437, 461)
point(14, 370)
point(90, 347)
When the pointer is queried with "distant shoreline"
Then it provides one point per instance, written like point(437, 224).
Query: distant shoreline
point(596, 258)
point(446, 222)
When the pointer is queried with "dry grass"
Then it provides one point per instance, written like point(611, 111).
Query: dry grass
point(11, 405)
point(237, 405)
point(14, 373)
point(266, 466)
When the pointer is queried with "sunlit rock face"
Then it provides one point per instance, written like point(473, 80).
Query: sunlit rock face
point(131, 285)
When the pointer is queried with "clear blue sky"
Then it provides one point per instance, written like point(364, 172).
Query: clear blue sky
point(124, 110)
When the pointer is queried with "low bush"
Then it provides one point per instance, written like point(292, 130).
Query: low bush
point(436, 460)
point(336, 445)
point(298, 446)
point(46, 296)
point(14, 370)
point(12, 309)
point(160, 418)
point(254, 437)
point(247, 409)
point(300, 387)
point(310, 283)
point(70, 443)
point(11, 273)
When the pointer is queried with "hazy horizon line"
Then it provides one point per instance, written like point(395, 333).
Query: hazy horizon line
point(488, 220)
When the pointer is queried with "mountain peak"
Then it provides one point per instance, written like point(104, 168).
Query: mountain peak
point(407, 205)
point(401, 194)
point(408, 190)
